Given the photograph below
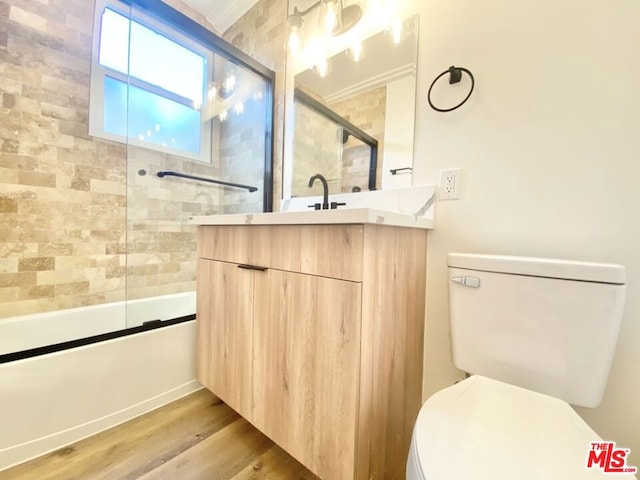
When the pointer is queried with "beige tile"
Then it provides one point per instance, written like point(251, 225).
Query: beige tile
point(35, 292)
point(37, 179)
point(100, 285)
point(20, 279)
point(9, 265)
point(27, 18)
point(55, 249)
point(72, 288)
point(8, 205)
point(36, 264)
point(8, 294)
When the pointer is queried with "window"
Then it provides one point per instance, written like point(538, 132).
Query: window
point(148, 83)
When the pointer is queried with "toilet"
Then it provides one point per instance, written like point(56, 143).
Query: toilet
point(536, 336)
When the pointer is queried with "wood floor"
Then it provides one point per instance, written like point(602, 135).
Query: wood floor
point(196, 437)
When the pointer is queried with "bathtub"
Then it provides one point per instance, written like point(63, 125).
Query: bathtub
point(52, 400)
point(31, 331)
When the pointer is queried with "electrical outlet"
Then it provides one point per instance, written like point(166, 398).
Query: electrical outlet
point(449, 184)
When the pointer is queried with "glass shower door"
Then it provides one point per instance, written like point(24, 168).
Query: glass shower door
point(168, 185)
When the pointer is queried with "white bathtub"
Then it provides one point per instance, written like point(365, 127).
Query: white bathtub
point(52, 400)
point(40, 329)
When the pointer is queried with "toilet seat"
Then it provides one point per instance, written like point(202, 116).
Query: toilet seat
point(484, 429)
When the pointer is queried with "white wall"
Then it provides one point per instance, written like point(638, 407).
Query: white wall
point(549, 145)
point(398, 131)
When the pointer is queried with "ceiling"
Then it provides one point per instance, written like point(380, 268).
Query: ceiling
point(222, 13)
point(381, 63)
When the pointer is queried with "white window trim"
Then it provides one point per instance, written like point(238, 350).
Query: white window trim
point(98, 72)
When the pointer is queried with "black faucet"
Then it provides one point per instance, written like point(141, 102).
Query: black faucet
point(325, 205)
point(325, 193)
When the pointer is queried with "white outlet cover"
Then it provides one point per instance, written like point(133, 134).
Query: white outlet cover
point(449, 185)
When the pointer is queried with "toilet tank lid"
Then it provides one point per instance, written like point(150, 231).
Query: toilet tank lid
point(540, 267)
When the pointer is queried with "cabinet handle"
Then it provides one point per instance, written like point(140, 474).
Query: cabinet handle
point(253, 267)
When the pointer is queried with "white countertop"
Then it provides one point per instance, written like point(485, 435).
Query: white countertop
point(317, 217)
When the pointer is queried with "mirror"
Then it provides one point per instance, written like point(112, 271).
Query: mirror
point(351, 117)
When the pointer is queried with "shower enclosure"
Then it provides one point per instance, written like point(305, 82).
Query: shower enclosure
point(329, 144)
point(115, 128)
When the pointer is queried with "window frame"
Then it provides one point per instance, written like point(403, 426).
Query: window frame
point(182, 23)
point(99, 72)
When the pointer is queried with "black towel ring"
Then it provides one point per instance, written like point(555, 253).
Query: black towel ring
point(455, 75)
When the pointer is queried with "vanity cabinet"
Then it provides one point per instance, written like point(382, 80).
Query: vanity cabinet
point(314, 334)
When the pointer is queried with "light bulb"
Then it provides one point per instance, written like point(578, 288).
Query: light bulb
point(322, 67)
point(213, 93)
point(332, 18)
point(229, 83)
point(330, 15)
point(294, 41)
point(356, 51)
point(396, 31)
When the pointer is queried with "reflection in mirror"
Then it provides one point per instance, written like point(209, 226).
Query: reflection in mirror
point(371, 89)
point(345, 154)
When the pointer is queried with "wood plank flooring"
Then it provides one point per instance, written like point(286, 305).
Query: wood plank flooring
point(194, 438)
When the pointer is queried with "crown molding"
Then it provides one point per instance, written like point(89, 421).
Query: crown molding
point(372, 82)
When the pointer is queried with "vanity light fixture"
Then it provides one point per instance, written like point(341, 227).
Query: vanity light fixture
point(335, 19)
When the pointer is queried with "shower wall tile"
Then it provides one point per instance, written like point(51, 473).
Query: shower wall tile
point(27, 18)
point(262, 34)
point(73, 206)
point(36, 264)
point(39, 291)
point(9, 295)
point(51, 250)
point(21, 279)
point(366, 111)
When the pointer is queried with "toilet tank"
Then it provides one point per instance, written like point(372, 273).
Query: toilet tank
point(542, 324)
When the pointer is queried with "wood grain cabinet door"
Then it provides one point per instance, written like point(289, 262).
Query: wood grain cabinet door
point(306, 360)
point(224, 325)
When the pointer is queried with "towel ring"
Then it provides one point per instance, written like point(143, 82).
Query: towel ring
point(455, 75)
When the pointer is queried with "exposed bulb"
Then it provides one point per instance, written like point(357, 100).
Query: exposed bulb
point(294, 41)
point(213, 93)
point(229, 83)
point(356, 51)
point(331, 18)
point(396, 31)
point(322, 67)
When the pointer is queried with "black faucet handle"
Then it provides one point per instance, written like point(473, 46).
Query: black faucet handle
point(335, 205)
point(315, 206)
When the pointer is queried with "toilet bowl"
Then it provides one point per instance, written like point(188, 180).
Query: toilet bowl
point(484, 429)
point(536, 335)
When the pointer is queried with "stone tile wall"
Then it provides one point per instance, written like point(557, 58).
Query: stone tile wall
point(316, 148)
point(71, 206)
point(366, 111)
point(262, 33)
point(62, 194)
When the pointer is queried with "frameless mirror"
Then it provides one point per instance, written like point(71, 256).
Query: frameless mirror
point(351, 117)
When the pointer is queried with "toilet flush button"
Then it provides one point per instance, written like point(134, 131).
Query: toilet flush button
point(472, 282)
